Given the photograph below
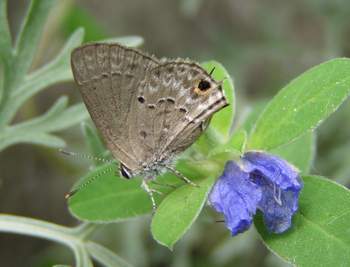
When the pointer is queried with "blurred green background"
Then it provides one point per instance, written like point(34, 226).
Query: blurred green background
point(263, 44)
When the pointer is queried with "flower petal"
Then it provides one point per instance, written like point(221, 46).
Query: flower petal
point(276, 169)
point(236, 197)
point(278, 216)
point(280, 183)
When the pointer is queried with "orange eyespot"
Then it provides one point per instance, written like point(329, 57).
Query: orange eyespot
point(202, 87)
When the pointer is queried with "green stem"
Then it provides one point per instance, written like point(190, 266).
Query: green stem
point(84, 230)
point(64, 235)
point(75, 238)
point(105, 256)
point(38, 228)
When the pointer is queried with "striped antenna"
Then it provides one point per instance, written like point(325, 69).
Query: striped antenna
point(92, 179)
point(83, 156)
point(212, 70)
point(85, 184)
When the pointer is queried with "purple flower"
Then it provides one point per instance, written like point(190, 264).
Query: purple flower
point(258, 181)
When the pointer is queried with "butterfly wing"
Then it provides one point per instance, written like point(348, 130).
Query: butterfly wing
point(109, 76)
point(172, 110)
point(196, 105)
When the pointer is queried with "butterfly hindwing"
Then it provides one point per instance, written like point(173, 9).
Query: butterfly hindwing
point(171, 114)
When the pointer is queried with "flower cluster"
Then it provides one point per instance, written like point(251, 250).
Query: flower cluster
point(259, 181)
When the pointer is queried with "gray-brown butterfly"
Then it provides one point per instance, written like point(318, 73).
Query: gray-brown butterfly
point(147, 110)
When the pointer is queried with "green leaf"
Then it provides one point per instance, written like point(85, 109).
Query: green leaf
point(10, 137)
point(36, 131)
point(58, 70)
point(300, 152)
point(2, 84)
point(302, 105)
point(253, 116)
point(236, 145)
point(29, 36)
point(101, 187)
point(222, 120)
point(178, 211)
point(69, 117)
point(238, 140)
point(108, 197)
point(130, 41)
point(41, 139)
point(104, 256)
point(5, 40)
point(208, 141)
point(197, 169)
point(56, 109)
point(319, 234)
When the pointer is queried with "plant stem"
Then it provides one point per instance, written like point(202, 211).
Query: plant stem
point(38, 228)
point(75, 238)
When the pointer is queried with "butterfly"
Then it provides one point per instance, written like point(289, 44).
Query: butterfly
point(147, 110)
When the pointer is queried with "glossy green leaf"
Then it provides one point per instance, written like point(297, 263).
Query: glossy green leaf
point(302, 105)
point(178, 211)
point(106, 197)
point(300, 152)
point(319, 236)
point(222, 120)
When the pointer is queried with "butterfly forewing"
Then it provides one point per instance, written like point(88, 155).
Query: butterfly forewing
point(109, 77)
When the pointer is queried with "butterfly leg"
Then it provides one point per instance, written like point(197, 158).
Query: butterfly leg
point(150, 192)
point(181, 176)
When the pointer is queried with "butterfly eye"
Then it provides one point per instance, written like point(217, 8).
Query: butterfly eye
point(203, 85)
point(125, 172)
